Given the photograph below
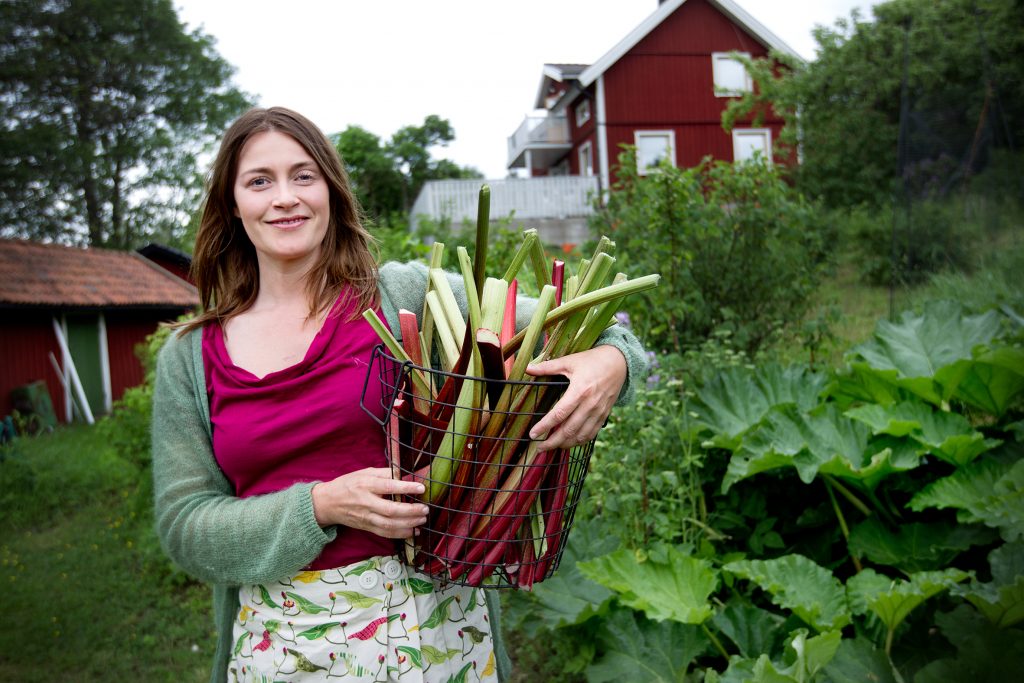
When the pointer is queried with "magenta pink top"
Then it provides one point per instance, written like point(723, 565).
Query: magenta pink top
point(300, 424)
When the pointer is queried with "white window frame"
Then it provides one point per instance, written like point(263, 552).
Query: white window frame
point(586, 150)
point(720, 61)
point(764, 133)
point(582, 112)
point(641, 169)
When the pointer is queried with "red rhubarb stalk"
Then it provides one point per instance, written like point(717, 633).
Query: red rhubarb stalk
point(508, 325)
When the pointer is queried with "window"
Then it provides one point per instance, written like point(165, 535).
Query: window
point(731, 78)
point(652, 146)
point(586, 158)
point(582, 112)
point(748, 143)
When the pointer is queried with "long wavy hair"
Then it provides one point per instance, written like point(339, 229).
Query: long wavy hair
point(224, 265)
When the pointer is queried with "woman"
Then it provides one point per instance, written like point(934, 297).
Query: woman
point(270, 481)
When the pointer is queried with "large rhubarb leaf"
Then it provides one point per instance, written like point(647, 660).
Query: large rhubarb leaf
point(984, 652)
point(938, 355)
point(1002, 599)
point(824, 442)
point(798, 584)
point(990, 491)
point(676, 589)
point(637, 649)
point(752, 629)
point(908, 353)
point(993, 380)
point(893, 599)
point(858, 660)
point(569, 597)
point(737, 399)
point(915, 546)
point(946, 435)
point(810, 655)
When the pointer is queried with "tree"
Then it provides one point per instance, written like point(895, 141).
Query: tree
point(965, 79)
point(105, 107)
point(388, 177)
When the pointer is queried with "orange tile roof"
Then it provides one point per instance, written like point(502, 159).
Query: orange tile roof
point(34, 274)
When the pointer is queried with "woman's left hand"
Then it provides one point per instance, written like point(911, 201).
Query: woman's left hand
point(595, 378)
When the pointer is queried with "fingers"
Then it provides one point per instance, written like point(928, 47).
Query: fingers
point(363, 500)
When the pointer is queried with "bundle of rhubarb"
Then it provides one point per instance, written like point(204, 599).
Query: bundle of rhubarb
point(461, 407)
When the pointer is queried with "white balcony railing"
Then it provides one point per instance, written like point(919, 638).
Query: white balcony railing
point(556, 197)
point(537, 132)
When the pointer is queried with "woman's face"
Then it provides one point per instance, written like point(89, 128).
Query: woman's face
point(282, 199)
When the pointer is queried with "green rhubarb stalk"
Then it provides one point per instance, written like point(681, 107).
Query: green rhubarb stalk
point(598, 320)
point(449, 349)
point(451, 307)
point(427, 328)
point(492, 305)
point(475, 318)
point(483, 223)
point(540, 264)
point(395, 347)
point(453, 443)
point(585, 302)
point(604, 245)
point(572, 283)
point(524, 250)
point(561, 339)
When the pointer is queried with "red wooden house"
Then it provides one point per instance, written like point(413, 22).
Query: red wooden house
point(86, 307)
point(662, 88)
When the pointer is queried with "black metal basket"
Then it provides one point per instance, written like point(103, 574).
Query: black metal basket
point(499, 511)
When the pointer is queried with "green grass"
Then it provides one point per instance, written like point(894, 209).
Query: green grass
point(89, 594)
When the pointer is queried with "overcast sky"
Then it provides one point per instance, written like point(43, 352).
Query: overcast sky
point(383, 64)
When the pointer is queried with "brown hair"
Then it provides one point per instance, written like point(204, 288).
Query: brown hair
point(224, 265)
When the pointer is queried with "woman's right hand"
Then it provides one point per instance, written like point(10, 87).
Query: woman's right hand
point(361, 500)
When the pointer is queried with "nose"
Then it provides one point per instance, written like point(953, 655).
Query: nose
point(285, 196)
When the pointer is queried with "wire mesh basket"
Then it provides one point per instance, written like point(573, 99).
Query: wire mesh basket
point(500, 511)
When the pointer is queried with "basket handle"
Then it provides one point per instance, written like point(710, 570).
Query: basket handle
point(378, 358)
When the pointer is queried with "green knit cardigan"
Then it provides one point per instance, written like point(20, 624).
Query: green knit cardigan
point(229, 542)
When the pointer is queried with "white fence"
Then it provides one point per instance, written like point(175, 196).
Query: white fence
point(529, 198)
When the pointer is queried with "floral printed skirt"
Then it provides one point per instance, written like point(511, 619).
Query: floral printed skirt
point(376, 620)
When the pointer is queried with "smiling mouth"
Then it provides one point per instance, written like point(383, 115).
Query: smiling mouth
point(289, 222)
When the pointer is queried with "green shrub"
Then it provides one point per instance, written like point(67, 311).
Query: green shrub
point(737, 248)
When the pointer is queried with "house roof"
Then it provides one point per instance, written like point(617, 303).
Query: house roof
point(558, 73)
point(665, 9)
point(34, 274)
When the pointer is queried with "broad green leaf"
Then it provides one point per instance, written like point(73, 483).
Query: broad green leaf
point(1002, 599)
point(569, 597)
point(437, 656)
point(419, 586)
point(318, 631)
point(812, 654)
point(825, 442)
point(306, 605)
point(265, 594)
point(737, 399)
point(676, 589)
point(439, 615)
point(358, 600)
point(984, 652)
point(946, 435)
point(915, 546)
point(639, 650)
point(893, 599)
point(991, 381)
point(462, 674)
point(990, 491)
point(909, 353)
point(858, 660)
point(798, 584)
point(752, 629)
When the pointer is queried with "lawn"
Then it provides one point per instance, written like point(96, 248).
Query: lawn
point(91, 598)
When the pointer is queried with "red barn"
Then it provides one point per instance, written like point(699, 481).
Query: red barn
point(86, 307)
point(662, 88)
